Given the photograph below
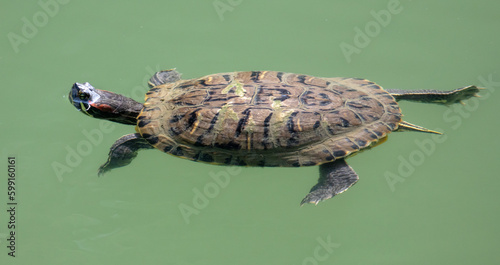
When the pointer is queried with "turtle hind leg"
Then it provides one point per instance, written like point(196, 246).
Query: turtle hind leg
point(435, 96)
point(334, 178)
point(123, 151)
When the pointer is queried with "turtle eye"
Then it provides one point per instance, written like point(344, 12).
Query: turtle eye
point(83, 96)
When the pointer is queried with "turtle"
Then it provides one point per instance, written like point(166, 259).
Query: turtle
point(260, 118)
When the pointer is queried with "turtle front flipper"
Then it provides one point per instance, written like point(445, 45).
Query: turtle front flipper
point(334, 178)
point(163, 77)
point(435, 96)
point(123, 151)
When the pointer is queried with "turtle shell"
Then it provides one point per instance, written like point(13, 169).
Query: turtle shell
point(265, 118)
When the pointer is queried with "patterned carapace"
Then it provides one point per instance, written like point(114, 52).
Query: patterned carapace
point(266, 118)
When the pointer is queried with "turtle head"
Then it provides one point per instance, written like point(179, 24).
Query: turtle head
point(83, 97)
point(103, 104)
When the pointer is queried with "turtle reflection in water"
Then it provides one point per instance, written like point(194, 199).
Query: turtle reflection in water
point(260, 118)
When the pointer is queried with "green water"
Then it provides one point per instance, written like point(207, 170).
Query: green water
point(420, 199)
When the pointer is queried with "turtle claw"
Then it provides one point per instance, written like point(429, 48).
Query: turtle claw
point(102, 170)
point(314, 197)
